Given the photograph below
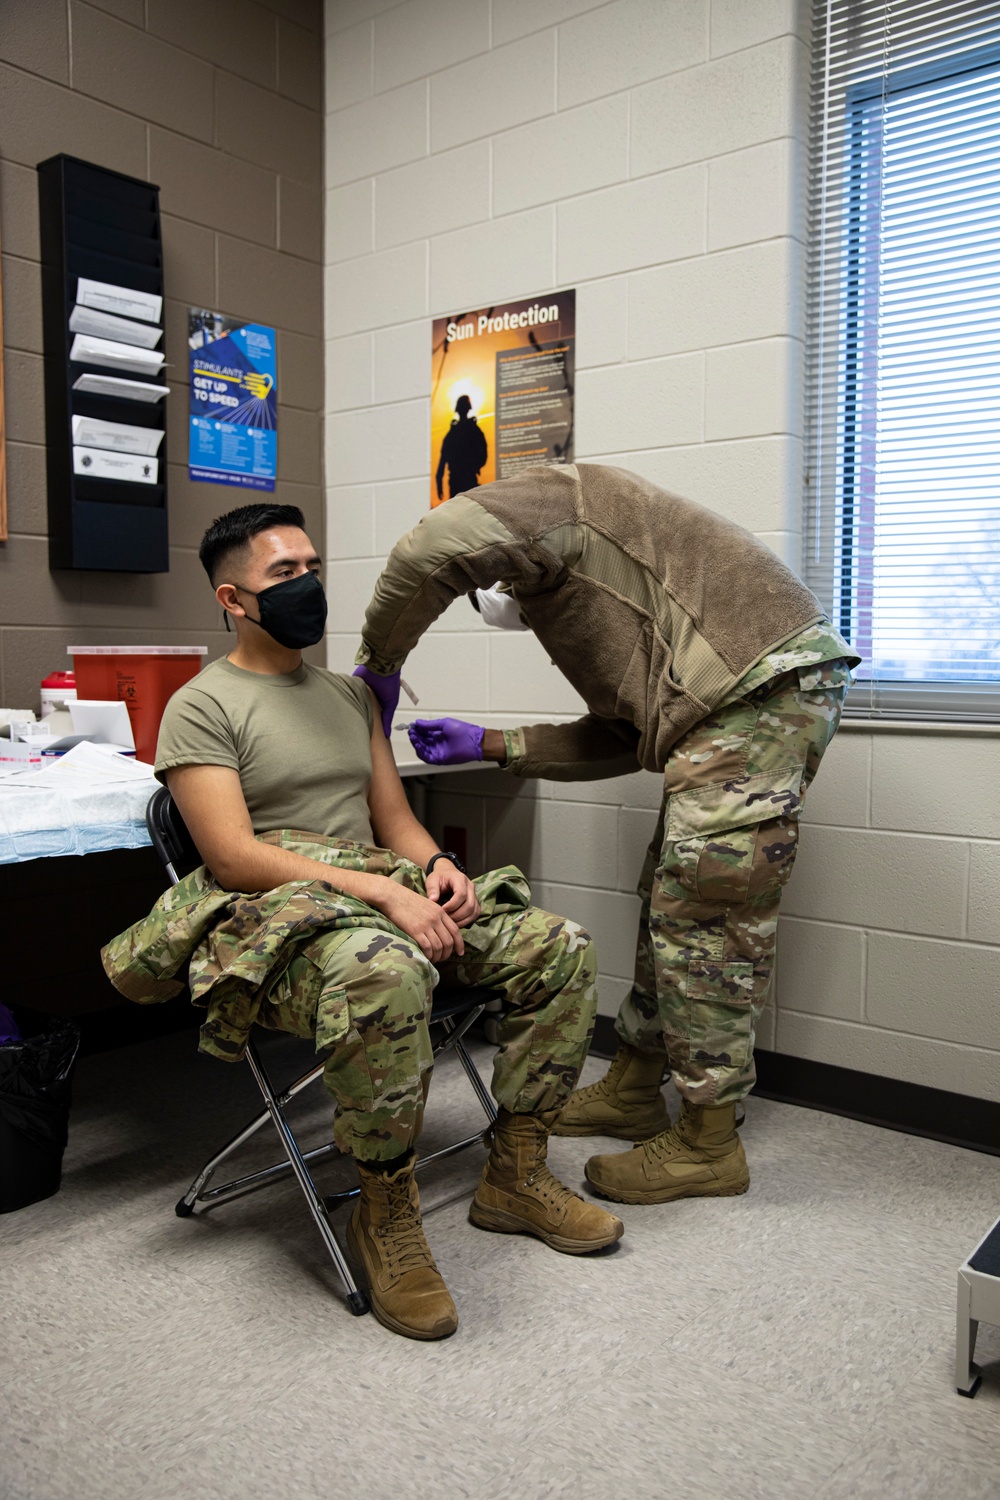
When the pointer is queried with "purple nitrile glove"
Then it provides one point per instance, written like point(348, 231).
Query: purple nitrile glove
point(9, 1030)
point(386, 690)
point(446, 742)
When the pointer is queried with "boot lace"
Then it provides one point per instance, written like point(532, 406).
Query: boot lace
point(402, 1234)
point(548, 1187)
point(592, 1092)
point(664, 1146)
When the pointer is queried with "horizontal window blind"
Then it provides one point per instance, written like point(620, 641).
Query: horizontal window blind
point(903, 386)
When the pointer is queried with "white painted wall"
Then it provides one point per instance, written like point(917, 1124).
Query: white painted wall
point(651, 154)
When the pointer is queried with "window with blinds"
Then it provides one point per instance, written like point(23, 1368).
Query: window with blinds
point(903, 397)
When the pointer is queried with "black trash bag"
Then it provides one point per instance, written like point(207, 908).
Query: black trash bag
point(35, 1085)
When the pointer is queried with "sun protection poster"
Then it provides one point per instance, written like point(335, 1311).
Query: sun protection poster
point(234, 401)
point(502, 381)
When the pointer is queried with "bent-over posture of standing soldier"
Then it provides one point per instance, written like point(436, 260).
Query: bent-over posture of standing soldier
point(700, 656)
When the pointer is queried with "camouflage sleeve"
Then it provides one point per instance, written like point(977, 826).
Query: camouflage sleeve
point(589, 749)
point(454, 549)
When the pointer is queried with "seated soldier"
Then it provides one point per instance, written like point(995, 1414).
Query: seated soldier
point(284, 776)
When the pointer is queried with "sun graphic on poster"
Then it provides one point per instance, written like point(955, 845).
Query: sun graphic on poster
point(475, 393)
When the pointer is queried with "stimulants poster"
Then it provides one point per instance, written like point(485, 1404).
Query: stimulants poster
point(502, 391)
point(234, 401)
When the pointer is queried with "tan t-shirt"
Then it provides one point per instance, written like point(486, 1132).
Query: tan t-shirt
point(301, 744)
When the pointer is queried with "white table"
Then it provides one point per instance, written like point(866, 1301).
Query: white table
point(48, 822)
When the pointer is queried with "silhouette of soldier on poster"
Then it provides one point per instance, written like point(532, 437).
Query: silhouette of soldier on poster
point(463, 452)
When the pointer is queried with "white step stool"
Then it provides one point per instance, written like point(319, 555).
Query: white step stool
point(978, 1302)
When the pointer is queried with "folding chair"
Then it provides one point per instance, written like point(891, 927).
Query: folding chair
point(452, 1013)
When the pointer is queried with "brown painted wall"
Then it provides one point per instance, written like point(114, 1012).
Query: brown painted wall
point(220, 103)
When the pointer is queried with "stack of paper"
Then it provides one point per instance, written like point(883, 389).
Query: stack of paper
point(88, 765)
point(124, 301)
point(106, 326)
point(115, 437)
point(88, 350)
point(116, 327)
point(117, 385)
point(132, 467)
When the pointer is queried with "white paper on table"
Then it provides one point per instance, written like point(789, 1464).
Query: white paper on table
point(124, 300)
point(134, 468)
point(86, 350)
point(103, 719)
point(105, 325)
point(87, 765)
point(116, 437)
point(117, 385)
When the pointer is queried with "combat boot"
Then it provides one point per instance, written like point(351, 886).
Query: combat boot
point(626, 1103)
point(699, 1157)
point(519, 1195)
point(386, 1239)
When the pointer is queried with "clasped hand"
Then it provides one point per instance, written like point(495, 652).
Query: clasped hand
point(434, 921)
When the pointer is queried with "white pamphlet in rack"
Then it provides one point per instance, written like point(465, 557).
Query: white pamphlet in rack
point(87, 350)
point(125, 390)
point(106, 326)
point(123, 300)
point(118, 437)
point(134, 468)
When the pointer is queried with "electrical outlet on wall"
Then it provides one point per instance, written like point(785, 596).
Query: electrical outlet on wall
point(457, 840)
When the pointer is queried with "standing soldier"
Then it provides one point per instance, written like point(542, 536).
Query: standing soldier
point(700, 656)
point(463, 451)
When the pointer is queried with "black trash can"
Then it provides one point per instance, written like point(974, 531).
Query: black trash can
point(35, 1084)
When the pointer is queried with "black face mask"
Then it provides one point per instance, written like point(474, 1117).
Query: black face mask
point(293, 612)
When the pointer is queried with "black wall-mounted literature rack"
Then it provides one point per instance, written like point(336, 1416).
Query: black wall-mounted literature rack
point(105, 411)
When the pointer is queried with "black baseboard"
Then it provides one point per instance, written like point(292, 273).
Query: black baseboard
point(910, 1107)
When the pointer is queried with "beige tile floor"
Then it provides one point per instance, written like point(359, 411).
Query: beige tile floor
point(796, 1342)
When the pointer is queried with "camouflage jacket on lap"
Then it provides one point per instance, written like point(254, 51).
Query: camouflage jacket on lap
point(231, 947)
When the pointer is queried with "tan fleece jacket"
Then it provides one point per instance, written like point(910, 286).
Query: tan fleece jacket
point(650, 605)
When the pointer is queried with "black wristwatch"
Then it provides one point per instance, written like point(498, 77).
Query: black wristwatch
point(445, 854)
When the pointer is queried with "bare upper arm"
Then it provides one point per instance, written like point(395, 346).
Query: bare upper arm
point(211, 802)
point(387, 799)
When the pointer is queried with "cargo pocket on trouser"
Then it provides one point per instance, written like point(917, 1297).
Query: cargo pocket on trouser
point(721, 1015)
point(372, 1023)
point(729, 850)
point(721, 839)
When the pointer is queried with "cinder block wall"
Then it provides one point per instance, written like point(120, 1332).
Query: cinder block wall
point(651, 154)
point(221, 104)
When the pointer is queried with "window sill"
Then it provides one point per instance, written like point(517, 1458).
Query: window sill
point(918, 726)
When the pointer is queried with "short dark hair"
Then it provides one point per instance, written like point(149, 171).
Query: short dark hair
point(237, 528)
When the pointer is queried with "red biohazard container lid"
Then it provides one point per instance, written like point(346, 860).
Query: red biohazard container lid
point(59, 680)
point(136, 650)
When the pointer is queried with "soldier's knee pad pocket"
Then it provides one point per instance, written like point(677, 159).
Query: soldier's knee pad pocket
point(734, 841)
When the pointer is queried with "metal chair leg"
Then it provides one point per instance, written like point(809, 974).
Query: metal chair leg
point(479, 1088)
point(197, 1191)
point(200, 1192)
point(357, 1301)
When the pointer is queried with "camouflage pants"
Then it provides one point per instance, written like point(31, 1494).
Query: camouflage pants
point(365, 995)
point(712, 880)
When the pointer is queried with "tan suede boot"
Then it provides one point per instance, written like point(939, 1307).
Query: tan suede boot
point(386, 1239)
point(699, 1157)
point(519, 1195)
point(626, 1103)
